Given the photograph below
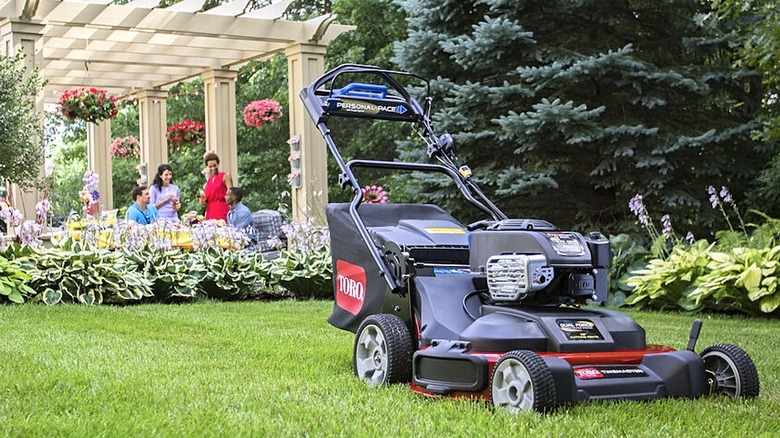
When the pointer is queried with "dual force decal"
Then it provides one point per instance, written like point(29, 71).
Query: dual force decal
point(579, 330)
point(350, 286)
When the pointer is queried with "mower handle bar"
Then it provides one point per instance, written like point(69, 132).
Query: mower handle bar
point(421, 167)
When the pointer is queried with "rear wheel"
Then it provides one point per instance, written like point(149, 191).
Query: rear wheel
point(730, 371)
point(522, 381)
point(383, 350)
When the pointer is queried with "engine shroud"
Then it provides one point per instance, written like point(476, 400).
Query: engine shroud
point(578, 263)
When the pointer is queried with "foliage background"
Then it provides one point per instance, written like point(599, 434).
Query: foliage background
point(564, 110)
point(22, 136)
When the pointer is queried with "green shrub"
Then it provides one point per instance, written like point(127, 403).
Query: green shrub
point(82, 275)
point(305, 274)
point(232, 275)
point(744, 280)
point(668, 283)
point(628, 256)
point(174, 274)
point(12, 282)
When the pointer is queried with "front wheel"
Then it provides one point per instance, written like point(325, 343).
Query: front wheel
point(522, 381)
point(730, 371)
point(383, 350)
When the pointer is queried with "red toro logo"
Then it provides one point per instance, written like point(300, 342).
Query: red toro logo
point(350, 286)
point(588, 373)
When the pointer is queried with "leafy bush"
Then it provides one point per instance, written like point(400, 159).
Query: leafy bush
point(628, 255)
point(744, 280)
point(174, 274)
point(668, 283)
point(232, 275)
point(12, 282)
point(738, 273)
point(82, 275)
point(305, 274)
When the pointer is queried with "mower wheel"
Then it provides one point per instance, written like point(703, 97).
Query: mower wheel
point(730, 371)
point(522, 381)
point(383, 350)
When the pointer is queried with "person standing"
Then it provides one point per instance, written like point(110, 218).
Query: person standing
point(140, 211)
point(215, 189)
point(164, 195)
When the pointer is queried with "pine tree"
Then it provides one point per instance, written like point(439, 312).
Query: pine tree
point(566, 109)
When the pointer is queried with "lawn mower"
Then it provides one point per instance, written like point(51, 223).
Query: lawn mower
point(499, 310)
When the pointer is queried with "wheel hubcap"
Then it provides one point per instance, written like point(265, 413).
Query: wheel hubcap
point(512, 388)
point(369, 356)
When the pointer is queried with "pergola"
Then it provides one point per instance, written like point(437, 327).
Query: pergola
point(140, 50)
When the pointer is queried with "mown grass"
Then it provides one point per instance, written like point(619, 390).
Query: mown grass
point(278, 369)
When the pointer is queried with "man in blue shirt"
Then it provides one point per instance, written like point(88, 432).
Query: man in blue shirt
point(140, 211)
point(239, 215)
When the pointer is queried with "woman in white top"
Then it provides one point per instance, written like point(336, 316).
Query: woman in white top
point(164, 195)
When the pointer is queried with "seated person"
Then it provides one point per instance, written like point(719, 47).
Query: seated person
point(239, 215)
point(140, 211)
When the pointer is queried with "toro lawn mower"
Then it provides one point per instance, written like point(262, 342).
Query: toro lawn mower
point(491, 310)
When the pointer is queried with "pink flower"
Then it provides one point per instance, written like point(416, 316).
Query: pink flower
point(374, 195)
point(262, 112)
point(123, 147)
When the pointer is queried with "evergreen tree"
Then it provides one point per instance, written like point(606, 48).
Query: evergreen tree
point(756, 33)
point(566, 109)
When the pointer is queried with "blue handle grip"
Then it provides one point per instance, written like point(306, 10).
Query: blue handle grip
point(357, 89)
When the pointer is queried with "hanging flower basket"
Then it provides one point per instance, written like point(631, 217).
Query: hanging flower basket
point(186, 133)
point(262, 112)
point(123, 147)
point(88, 104)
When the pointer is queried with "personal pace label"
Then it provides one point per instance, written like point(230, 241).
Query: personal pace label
point(350, 286)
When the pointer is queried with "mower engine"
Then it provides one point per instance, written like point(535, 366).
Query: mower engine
point(531, 260)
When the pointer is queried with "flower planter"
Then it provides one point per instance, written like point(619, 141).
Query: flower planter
point(88, 104)
point(262, 112)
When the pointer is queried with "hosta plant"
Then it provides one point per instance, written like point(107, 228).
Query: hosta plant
point(744, 279)
point(305, 274)
point(232, 275)
point(12, 282)
point(668, 283)
point(174, 274)
point(82, 275)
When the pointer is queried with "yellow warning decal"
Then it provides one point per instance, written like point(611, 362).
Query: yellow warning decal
point(445, 231)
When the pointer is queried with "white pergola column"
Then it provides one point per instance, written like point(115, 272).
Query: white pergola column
point(305, 63)
point(219, 87)
point(153, 122)
point(25, 37)
point(99, 161)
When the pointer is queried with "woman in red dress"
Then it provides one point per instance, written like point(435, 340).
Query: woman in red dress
point(215, 189)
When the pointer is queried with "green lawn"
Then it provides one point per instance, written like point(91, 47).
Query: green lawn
point(278, 369)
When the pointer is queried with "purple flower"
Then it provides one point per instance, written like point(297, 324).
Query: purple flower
point(689, 237)
point(638, 208)
point(713, 196)
point(666, 221)
point(724, 193)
